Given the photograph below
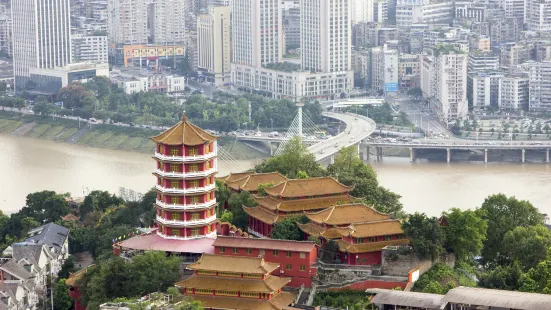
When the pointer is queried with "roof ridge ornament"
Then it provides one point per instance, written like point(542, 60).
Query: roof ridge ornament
point(184, 117)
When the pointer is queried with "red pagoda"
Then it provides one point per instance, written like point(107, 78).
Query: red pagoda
point(186, 165)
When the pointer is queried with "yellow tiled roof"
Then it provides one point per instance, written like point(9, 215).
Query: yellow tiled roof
point(329, 233)
point(268, 285)
point(235, 176)
point(298, 205)
point(184, 133)
point(368, 247)
point(347, 214)
point(261, 214)
point(380, 228)
point(279, 302)
point(75, 277)
point(238, 264)
point(308, 187)
point(250, 183)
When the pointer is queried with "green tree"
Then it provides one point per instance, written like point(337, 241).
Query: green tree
point(99, 201)
point(286, 230)
point(302, 175)
point(152, 272)
point(537, 279)
point(222, 193)
point(45, 206)
point(226, 216)
point(502, 278)
point(350, 170)
point(434, 288)
point(294, 158)
point(68, 267)
point(527, 245)
point(62, 301)
point(425, 235)
point(504, 214)
point(465, 233)
point(236, 203)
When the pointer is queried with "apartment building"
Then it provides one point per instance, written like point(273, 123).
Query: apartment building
point(361, 65)
point(291, 27)
point(540, 87)
point(483, 89)
point(167, 18)
point(41, 37)
point(89, 48)
point(409, 12)
point(539, 15)
point(512, 54)
point(127, 21)
point(5, 30)
point(409, 66)
point(213, 44)
point(516, 9)
point(482, 61)
point(470, 11)
point(384, 69)
point(514, 92)
point(362, 11)
point(438, 12)
point(503, 30)
point(135, 81)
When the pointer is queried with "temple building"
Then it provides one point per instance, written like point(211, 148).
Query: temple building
point(360, 232)
point(291, 198)
point(249, 181)
point(233, 282)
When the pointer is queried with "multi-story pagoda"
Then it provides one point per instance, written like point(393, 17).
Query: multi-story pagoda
point(234, 282)
point(360, 232)
point(186, 164)
point(292, 198)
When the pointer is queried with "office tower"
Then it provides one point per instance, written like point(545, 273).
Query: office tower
point(213, 44)
point(127, 21)
point(257, 36)
point(168, 21)
point(41, 36)
point(325, 36)
point(5, 30)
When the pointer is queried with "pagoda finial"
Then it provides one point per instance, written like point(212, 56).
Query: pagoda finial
point(184, 117)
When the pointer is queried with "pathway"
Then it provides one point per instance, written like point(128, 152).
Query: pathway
point(77, 135)
point(22, 130)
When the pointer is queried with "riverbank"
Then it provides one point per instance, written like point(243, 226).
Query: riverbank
point(96, 135)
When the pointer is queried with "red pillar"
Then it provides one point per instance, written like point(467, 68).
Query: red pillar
point(348, 258)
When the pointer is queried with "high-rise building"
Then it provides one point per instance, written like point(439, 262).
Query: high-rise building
point(257, 36)
point(480, 61)
point(539, 15)
point(5, 30)
point(325, 35)
point(515, 9)
point(168, 21)
point(540, 87)
point(41, 36)
point(127, 21)
point(89, 48)
point(291, 27)
point(483, 89)
point(213, 44)
point(362, 11)
point(513, 92)
point(384, 69)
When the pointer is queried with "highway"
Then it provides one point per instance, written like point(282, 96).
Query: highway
point(419, 144)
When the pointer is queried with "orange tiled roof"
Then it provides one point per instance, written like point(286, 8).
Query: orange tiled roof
point(298, 205)
point(308, 187)
point(184, 133)
point(75, 277)
point(279, 302)
point(239, 264)
point(70, 217)
point(380, 228)
point(330, 233)
point(368, 247)
point(250, 183)
point(261, 214)
point(235, 176)
point(268, 285)
point(347, 214)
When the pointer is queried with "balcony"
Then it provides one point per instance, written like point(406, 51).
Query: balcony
point(188, 174)
point(185, 159)
point(189, 223)
point(192, 190)
point(190, 206)
point(209, 235)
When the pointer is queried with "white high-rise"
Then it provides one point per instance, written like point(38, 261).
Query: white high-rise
point(257, 32)
point(325, 35)
point(540, 15)
point(214, 44)
point(127, 21)
point(168, 21)
point(41, 36)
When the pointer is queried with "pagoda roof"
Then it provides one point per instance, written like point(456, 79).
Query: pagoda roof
point(235, 176)
point(153, 242)
point(70, 217)
point(297, 188)
point(369, 246)
point(279, 302)
point(380, 228)
point(74, 278)
point(269, 284)
point(297, 205)
point(237, 264)
point(250, 182)
point(264, 243)
point(184, 132)
point(327, 233)
point(263, 215)
point(347, 214)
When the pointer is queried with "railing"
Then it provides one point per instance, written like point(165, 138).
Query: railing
point(349, 267)
point(452, 145)
point(254, 233)
point(187, 158)
point(178, 174)
point(190, 206)
point(176, 190)
point(209, 235)
point(186, 223)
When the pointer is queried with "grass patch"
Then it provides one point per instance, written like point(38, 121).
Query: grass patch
point(38, 130)
point(147, 146)
point(116, 141)
point(131, 144)
point(66, 134)
point(89, 136)
point(10, 125)
point(101, 138)
point(52, 133)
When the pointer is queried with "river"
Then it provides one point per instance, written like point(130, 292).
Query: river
point(28, 165)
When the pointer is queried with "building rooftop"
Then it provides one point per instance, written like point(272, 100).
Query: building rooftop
point(380, 228)
point(498, 298)
point(307, 204)
point(235, 264)
point(155, 242)
point(75, 277)
point(298, 188)
point(268, 285)
point(267, 244)
point(281, 301)
point(184, 132)
point(368, 247)
point(250, 182)
point(407, 299)
point(327, 233)
point(347, 214)
point(50, 234)
point(235, 176)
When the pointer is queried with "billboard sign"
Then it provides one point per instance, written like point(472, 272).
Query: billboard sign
point(391, 87)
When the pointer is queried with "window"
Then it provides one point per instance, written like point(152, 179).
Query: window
point(174, 151)
point(175, 216)
point(387, 238)
point(193, 168)
point(235, 250)
point(161, 148)
point(193, 151)
point(207, 147)
point(302, 267)
point(288, 266)
point(175, 232)
point(302, 255)
point(289, 253)
point(194, 232)
point(207, 165)
point(275, 252)
point(207, 181)
point(195, 216)
point(194, 183)
point(175, 184)
point(222, 250)
point(174, 168)
point(261, 252)
point(359, 240)
point(249, 250)
point(194, 199)
point(174, 200)
point(372, 239)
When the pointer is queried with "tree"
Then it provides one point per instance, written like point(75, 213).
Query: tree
point(73, 95)
point(45, 206)
point(99, 201)
point(527, 245)
point(502, 278)
point(415, 92)
point(222, 193)
point(536, 280)
point(226, 216)
point(294, 158)
point(504, 214)
point(434, 288)
point(68, 267)
point(425, 235)
point(62, 301)
point(151, 272)
point(465, 233)
point(236, 203)
point(286, 230)
point(302, 175)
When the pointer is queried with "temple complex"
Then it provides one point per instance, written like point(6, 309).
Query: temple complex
point(360, 232)
point(249, 181)
point(233, 282)
point(291, 198)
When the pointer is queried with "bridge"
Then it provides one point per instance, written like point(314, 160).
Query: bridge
point(460, 145)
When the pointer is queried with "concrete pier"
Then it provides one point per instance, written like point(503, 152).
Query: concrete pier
point(367, 152)
point(547, 156)
point(523, 155)
point(332, 159)
point(449, 155)
point(485, 155)
point(411, 154)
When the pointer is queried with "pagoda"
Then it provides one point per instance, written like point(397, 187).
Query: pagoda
point(291, 198)
point(361, 232)
point(236, 282)
point(185, 158)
